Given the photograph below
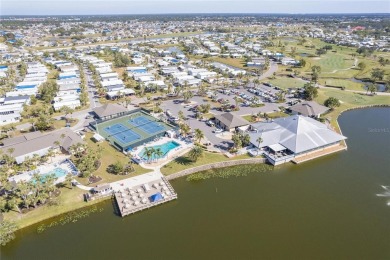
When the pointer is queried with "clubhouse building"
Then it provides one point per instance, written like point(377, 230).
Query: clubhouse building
point(295, 138)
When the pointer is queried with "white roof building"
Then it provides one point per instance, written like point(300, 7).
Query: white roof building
point(297, 133)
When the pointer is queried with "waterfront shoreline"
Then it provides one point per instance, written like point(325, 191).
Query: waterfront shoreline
point(193, 170)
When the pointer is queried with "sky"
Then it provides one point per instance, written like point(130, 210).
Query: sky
point(79, 7)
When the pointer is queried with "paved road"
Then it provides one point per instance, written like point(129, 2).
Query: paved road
point(273, 67)
point(81, 115)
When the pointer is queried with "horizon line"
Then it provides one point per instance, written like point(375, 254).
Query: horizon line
point(223, 13)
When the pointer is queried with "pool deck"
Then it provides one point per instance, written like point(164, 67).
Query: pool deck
point(131, 195)
point(57, 162)
point(172, 154)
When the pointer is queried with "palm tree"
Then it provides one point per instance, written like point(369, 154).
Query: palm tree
point(181, 116)
point(187, 95)
point(148, 153)
point(23, 191)
point(218, 77)
point(50, 154)
point(170, 86)
point(10, 151)
point(159, 153)
point(68, 180)
point(57, 144)
point(14, 203)
point(125, 76)
point(195, 153)
point(32, 122)
point(199, 135)
point(236, 100)
point(35, 159)
point(185, 129)
point(259, 140)
point(240, 76)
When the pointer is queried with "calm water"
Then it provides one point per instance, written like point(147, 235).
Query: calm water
point(324, 209)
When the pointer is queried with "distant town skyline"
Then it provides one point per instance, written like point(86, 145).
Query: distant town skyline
point(93, 7)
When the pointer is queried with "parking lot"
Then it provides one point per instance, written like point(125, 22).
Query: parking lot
point(176, 105)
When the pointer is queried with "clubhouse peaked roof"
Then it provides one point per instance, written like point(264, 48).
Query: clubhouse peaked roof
point(108, 110)
point(297, 133)
point(231, 120)
point(309, 108)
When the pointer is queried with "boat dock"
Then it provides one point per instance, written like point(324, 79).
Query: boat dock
point(133, 198)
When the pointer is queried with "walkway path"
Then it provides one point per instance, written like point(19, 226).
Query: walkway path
point(80, 186)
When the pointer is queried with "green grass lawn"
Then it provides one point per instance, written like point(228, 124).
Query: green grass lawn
point(248, 118)
point(334, 63)
point(58, 124)
point(348, 100)
point(164, 46)
point(183, 162)
point(110, 155)
point(238, 63)
point(285, 83)
point(348, 84)
point(70, 199)
point(272, 115)
point(277, 114)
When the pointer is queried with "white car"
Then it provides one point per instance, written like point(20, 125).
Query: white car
point(217, 130)
point(210, 123)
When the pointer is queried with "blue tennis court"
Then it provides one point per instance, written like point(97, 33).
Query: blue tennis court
point(146, 125)
point(121, 133)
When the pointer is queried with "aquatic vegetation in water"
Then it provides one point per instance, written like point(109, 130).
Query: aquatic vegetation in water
point(71, 217)
point(234, 171)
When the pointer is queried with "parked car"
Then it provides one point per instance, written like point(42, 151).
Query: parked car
point(210, 123)
point(217, 130)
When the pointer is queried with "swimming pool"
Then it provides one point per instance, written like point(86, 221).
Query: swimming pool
point(25, 86)
point(58, 172)
point(165, 148)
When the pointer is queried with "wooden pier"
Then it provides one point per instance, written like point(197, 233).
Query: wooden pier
point(137, 198)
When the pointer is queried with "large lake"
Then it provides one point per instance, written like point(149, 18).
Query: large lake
point(323, 209)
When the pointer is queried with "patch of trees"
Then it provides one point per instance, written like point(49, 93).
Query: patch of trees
point(121, 60)
point(316, 70)
point(119, 168)
point(7, 231)
point(364, 51)
point(240, 140)
point(332, 102)
point(48, 91)
point(377, 74)
point(78, 37)
point(310, 92)
point(87, 160)
point(383, 62)
point(22, 69)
